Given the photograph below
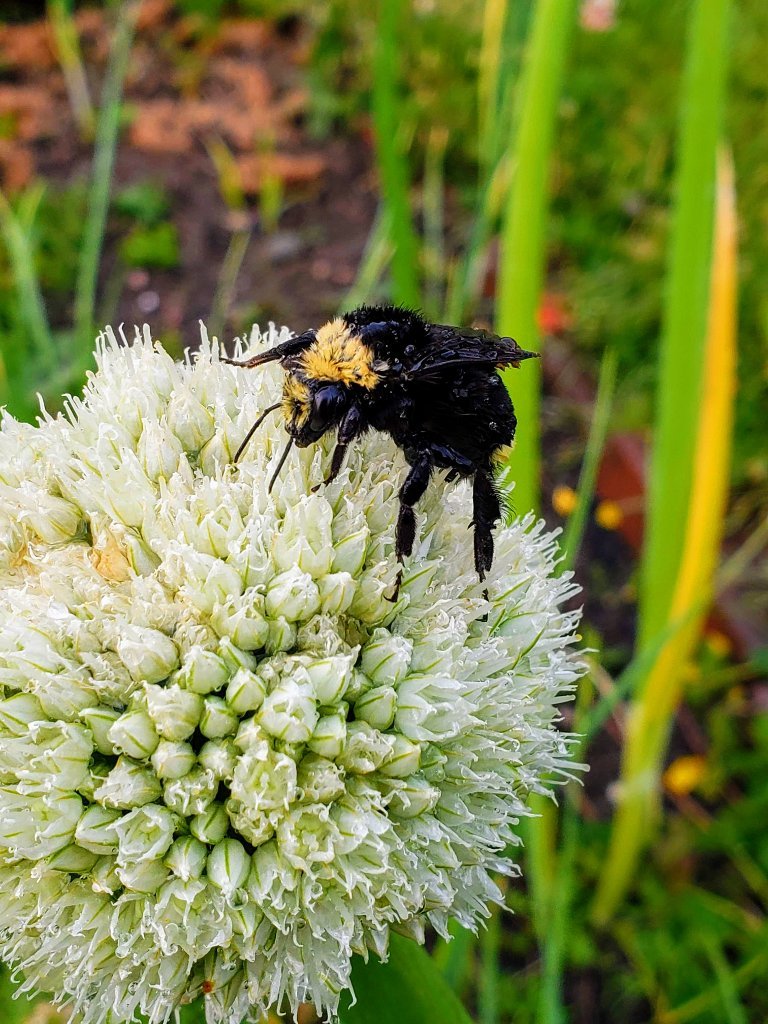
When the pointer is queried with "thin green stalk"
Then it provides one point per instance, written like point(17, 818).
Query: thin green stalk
point(17, 232)
point(107, 131)
point(490, 947)
point(392, 163)
point(523, 247)
point(434, 222)
point(555, 943)
point(71, 61)
point(574, 531)
point(686, 308)
point(378, 250)
point(225, 287)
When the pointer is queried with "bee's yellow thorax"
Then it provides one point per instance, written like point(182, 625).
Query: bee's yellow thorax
point(339, 355)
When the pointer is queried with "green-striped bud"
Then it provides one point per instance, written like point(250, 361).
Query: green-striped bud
point(172, 759)
point(218, 719)
point(186, 858)
point(134, 734)
point(228, 866)
point(211, 825)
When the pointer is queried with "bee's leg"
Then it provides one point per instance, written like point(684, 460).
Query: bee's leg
point(413, 488)
point(487, 512)
point(352, 425)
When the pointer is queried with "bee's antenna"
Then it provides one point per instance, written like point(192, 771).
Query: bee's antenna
point(280, 464)
point(253, 430)
point(263, 357)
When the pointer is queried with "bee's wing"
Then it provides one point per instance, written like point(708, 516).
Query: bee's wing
point(462, 347)
point(286, 351)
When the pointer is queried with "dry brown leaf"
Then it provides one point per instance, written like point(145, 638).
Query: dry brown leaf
point(290, 168)
point(16, 166)
point(28, 46)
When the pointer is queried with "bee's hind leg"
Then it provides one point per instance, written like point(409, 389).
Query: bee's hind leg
point(414, 486)
point(487, 512)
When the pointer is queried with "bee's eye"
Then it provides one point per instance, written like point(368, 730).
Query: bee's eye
point(327, 403)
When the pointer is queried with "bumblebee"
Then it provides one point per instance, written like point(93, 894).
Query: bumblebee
point(433, 388)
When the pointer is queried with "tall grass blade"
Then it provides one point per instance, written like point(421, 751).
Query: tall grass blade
point(107, 131)
point(17, 233)
point(574, 531)
point(392, 163)
point(661, 690)
point(523, 243)
point(685, 312)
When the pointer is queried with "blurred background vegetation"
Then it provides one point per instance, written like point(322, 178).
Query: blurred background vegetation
point(589, 177)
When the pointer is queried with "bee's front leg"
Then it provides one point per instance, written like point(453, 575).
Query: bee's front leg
point(351, 426)
point(414, 486)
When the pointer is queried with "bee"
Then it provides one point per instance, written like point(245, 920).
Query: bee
point(433, 388)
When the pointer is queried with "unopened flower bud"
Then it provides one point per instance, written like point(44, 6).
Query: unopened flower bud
point(282, 635)
point(329, 736)
point(246, 691)
point(147, 876)
point(218, 718)
point(359, 684)
point(172, 759)
point(100, 720)
point(18, 711)
point(289, 712)
point(144, 834)
point(366, 748)
point(416, 797)
point(54, 520)
point(337, 591)
point(350, 547)
point(371, 603)
point(377, 707)
point(128, 785)
point(228, 866)
point(190, 421)
point(203, 671)
point(219, 756)
point(175, 712)
point(104, 876)
point(134, 734)
point(148, 654)
point(159, 450)
point(245, 626)
point(211, 825)
point(386, 657)
point(235, 658)
point(404, 760)
point(72, 858)
point(186, 858)
point(330, 677)
point(292, 594)
point(95, 830)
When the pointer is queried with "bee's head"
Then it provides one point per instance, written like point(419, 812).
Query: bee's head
point(312, 407)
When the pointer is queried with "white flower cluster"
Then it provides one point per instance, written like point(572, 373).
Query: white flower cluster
point(227, 762)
